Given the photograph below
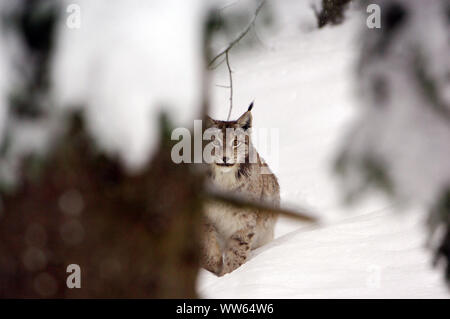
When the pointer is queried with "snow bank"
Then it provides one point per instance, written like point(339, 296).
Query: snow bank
point(375, 255)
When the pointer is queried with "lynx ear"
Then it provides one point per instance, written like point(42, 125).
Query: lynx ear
point(209, 122)
point(245, 121)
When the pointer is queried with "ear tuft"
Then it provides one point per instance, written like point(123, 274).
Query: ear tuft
point(251, 106)
point(245, 121)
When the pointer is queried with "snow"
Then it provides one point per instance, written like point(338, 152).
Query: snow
point(375, 255)
point(124, 64)
point(304, 85)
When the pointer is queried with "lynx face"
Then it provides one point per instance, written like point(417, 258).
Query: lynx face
point(230, 141)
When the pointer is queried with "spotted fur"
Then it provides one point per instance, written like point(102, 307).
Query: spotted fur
point(231, 233)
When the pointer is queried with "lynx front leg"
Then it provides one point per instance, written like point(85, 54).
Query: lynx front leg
point(237, 250)
point(211, 255)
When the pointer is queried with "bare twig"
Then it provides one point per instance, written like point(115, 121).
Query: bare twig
point(226, 53)
point(217, 65)
point(241, 202)
point(239, 37)
point(231, 85)
point(228, 5)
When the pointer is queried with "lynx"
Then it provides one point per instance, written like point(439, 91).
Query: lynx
point(229, 233)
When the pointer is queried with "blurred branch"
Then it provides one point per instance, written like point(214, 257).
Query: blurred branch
point(239, 37)
point(245, 203)
point(430, 88)
point(314, 8)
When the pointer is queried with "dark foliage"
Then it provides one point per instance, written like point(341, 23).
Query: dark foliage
point(133, 236)
point(439, 213)
point(332, 12)
point(34, 23)
point(444, 252)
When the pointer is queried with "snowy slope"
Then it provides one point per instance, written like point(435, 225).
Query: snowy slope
point(303, 84)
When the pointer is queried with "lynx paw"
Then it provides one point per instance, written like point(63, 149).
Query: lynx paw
point(212, 263)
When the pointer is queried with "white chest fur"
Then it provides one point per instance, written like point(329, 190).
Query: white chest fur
point(225, 177)
point(224, 217)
